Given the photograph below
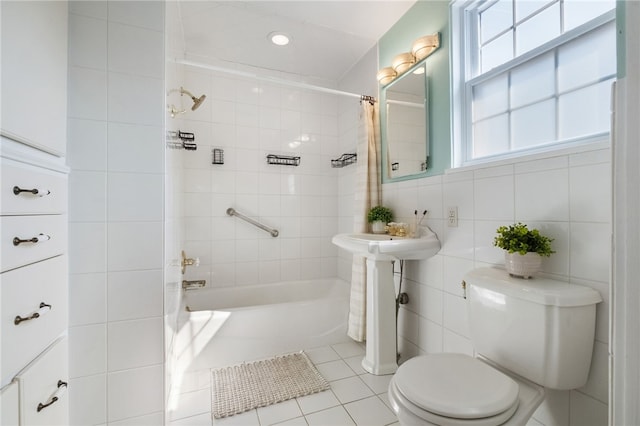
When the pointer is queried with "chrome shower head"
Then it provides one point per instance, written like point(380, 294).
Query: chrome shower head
point(196, 101)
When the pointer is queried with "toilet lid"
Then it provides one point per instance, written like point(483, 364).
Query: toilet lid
point(456, 385)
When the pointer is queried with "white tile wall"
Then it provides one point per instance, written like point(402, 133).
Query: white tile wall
point(134, 294)
point(87, 144)
point(134, 343)
point(135, 392)
point(576, 213)
point(87, 350)
point(87, 299)
point(250, 119)
point(116, 153)
point(87, 92)
point(153, 419)
point(174, 212)
point(88, 42)
point(88, 400)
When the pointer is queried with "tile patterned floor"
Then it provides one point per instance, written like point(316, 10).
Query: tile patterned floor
point(355, 398)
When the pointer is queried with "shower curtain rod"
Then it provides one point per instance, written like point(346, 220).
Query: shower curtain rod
point(274, 80)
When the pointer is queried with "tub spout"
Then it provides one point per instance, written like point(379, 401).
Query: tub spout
point(192, 285)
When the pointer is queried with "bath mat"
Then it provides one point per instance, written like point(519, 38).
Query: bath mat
point(246, 386)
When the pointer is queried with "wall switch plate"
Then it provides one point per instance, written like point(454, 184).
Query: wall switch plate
point(452, 217)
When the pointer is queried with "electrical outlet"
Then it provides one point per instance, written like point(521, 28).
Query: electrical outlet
point(452, 217)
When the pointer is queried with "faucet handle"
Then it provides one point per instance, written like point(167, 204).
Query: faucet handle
point(188, 262)
point(193, 262)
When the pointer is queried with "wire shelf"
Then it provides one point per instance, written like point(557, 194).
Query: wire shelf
point(344, 160)
point(218, 156)
point(283, 160)
point(181, 140)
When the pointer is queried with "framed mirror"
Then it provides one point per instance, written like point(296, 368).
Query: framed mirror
point(404, 125)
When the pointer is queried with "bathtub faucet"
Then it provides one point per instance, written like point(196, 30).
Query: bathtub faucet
point(192, 285)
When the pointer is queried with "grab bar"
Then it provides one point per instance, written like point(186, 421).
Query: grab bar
point(232, 212)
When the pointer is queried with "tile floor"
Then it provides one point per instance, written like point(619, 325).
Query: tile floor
point(355, 398)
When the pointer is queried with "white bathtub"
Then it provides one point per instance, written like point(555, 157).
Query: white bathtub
point(265, 294)
point(230, 325)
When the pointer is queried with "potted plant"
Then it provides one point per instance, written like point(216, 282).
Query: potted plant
point(523, 249)
point(378, 217)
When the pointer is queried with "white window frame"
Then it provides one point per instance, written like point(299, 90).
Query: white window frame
point(462, 84)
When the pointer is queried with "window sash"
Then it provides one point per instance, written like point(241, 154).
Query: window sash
point(472, 80)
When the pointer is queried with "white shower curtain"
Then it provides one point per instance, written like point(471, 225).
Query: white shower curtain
point(368, 193)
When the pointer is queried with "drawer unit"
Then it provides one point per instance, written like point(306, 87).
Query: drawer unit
point(29, 239)
point(34, 312)
point(43, 388)
point(9, 408)
point(27, 189)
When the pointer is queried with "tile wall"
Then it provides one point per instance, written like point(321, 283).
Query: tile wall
point(360, 79)
point(116, 155)
point(173, 201)
point(568, 197)
point(250, 119)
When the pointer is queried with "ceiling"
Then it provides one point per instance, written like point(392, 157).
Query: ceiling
point(327, 36)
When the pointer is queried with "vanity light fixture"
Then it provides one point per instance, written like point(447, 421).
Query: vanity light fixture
point(279, 38)
point(403, 62)
point(386, 75)
point(421, 48)
point(424, 46)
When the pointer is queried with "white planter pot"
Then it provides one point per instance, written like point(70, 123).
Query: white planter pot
point(378, 226)
point(524, 266)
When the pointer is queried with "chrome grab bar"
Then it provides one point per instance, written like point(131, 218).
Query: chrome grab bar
point(232, 212)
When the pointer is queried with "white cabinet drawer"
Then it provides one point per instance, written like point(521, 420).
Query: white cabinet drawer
point(9, 413)
point(31, 190)
point(43, 386)
point(28, 239)
point(25, 292)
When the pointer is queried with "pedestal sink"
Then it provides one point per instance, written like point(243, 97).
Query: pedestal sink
point(381, 251)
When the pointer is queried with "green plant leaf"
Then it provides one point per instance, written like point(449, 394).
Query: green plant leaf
point(381, 213)
point(517, 238)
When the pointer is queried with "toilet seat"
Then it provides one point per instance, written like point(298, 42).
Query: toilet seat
point(410, 414)
point(455, 389)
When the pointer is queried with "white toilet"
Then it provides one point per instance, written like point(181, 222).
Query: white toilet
point(528, 335)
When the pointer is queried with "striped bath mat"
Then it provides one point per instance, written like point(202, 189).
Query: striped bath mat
point(246, 386)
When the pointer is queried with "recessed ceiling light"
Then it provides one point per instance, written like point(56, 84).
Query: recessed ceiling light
point(278, 38)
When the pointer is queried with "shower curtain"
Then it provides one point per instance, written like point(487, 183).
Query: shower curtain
point(368, 193)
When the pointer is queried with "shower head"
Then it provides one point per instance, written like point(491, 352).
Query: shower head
point(196, 101)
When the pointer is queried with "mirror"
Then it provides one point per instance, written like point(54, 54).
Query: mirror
point(404, 125)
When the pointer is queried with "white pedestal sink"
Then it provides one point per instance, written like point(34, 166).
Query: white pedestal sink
point(380, 251)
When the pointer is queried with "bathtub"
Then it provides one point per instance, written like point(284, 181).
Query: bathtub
point(226, 326)
point(265, 294)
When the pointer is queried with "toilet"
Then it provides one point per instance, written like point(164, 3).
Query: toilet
point(527, 335)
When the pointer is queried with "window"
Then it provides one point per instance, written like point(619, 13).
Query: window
point(530, 75)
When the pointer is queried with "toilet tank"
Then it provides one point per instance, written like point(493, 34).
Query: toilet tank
point(541, 329)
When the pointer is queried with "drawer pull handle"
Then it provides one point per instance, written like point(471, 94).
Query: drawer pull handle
point(40, 238)
point(35, 191)
point(43, 309)
point(62, 388)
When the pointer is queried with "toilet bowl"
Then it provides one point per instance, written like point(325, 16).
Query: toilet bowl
point(528, 335)
point(459, 390)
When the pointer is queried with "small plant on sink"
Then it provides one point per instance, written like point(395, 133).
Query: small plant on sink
point(378, 217)
point(523, 248)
